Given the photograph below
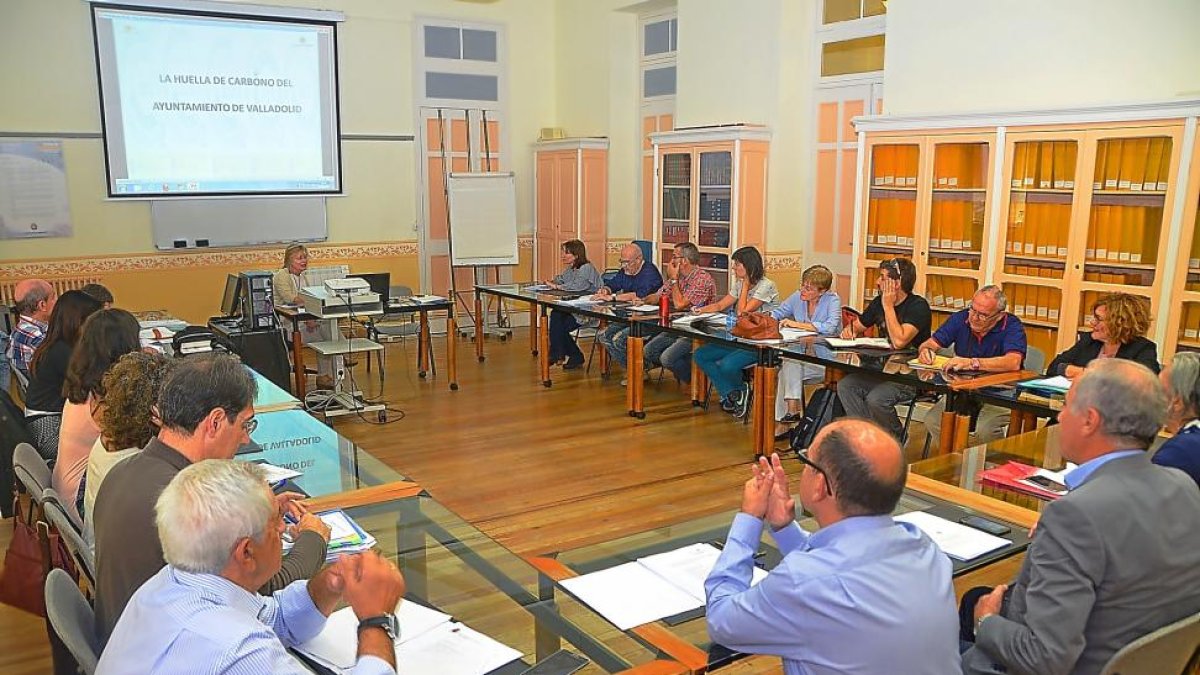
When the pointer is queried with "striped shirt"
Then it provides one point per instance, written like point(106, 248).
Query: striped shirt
point(24, 340)
point(698, 288)
point(179, 622)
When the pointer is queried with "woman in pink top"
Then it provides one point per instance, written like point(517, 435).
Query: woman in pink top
point(105, 337)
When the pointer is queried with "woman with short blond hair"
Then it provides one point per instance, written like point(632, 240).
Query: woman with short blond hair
point(814, 307)
point(1119, 323)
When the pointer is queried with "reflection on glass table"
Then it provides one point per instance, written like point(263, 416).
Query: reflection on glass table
point(328, 462)
point(454, 568)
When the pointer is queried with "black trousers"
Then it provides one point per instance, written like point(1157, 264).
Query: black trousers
point(562, 345)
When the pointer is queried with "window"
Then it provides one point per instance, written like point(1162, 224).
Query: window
point(461, 63)
point(659, 42)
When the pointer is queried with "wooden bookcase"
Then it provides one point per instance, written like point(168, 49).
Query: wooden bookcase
point(710, 189)
point(571, 185)
point(1059, 208)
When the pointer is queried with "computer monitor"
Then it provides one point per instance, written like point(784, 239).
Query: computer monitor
point(231, 300)
point(380, 282)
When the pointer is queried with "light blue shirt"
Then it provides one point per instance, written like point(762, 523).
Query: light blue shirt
point(827, 318)
point(179, 622)
point(1079, 475)
point(864, 595)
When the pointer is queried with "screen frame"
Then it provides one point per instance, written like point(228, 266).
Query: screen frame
point(332, 23)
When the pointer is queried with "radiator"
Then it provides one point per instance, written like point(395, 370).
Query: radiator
point(61, 285)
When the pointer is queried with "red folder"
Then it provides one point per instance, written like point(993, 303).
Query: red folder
point(1010, 475)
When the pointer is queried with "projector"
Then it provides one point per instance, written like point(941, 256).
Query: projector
point(351, 286)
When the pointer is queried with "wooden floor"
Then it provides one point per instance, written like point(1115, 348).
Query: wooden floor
point(539, 469)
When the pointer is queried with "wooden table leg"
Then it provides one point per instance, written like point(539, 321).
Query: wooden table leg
point(298, 360)
point(601, 350)
point(633, 373)
point(756, 422)
point(479, 323)
point(946, 440)
point(768, 381)
point(424, 339)
point(699, 379)
point(543, 352)
point(533, 328)
point(451, 350)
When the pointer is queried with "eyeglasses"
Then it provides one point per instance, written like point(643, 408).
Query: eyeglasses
point(802, 455)
point(627, 262)
point(250, 425)
point(976, 314)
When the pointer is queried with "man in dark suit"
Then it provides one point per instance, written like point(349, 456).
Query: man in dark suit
point(1115, 558)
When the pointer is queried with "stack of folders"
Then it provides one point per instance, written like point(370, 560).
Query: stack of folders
point(650, 588)
point(345, 535)
point(429, 642)
point(957, 541)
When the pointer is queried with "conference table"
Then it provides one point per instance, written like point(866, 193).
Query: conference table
point(296, 314)
point(888, 365)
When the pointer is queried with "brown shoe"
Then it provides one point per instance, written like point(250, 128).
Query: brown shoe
point(325, 382)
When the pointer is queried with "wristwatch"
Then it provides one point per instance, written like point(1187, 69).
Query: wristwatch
point(979, 621)
point(387, 622)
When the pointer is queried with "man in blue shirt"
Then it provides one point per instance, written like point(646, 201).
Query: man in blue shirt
point(637, 279)
point(986, 339)
point(864, 594)
point(220, 529)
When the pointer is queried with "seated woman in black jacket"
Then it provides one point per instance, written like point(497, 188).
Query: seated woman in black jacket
point(1119, 322)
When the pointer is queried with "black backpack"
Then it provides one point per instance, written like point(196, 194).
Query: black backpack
point(822, 407)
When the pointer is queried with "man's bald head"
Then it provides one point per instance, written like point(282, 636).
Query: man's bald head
point(865, 466)
point(631, 252)
point(29, 294)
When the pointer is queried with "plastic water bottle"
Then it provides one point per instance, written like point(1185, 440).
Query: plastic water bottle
point(664, 307)
point(730, 320)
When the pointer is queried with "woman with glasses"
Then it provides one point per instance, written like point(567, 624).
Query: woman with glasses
point(107, 336)
point(578, 275)
point(812, 308)
point(751, 291)
point(1119, 323)
point(1181, 380)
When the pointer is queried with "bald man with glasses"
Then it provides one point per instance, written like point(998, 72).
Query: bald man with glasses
point(986, 339)
point(862, 594)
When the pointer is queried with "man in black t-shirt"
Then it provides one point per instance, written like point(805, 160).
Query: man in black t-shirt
point(905, 320)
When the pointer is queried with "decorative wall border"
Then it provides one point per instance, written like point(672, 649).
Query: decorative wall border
point(267, 257)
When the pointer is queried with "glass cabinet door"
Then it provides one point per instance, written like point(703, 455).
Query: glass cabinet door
point(676, 197)
point(958, 208)
point(892, 201)
point(716, 198)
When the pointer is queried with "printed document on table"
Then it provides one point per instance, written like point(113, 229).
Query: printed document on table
point(583, 300)
point(875, 343)
point(688, 567)
point(706, 317)
point(276, 474)
point(630, 595)
point(453, 649)
point(957, 541)
point(643, 308)
point(1057, 383)
point(336, 646)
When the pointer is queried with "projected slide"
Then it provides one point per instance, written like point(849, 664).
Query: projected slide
point(198, 105)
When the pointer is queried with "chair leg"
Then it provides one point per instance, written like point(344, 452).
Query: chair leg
point(925, 448)
point(908, 420)
point(591, 353)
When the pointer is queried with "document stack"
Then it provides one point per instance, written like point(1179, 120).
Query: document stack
point(345, 535)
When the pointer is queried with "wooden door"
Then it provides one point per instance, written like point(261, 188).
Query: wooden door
point(545, 227)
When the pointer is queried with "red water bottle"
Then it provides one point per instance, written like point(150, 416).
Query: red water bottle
point(664, 306)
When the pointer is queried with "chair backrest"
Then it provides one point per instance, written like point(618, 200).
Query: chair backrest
point(400, 291)
point(31, 470)
point(1035, 359)
point(1170, 650)
point(72, 619)
point(647, 249)
point(57, 516)
point(609, 275)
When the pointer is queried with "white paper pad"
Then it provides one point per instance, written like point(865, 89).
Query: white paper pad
point(453, 649)
point(537, 287)
point(427, 298)
point(583, 300)
point(706, 317)
point(1058, 383)
point(643, 308)
point(630, 595)
point(877, 343)
point(336, 645)
point(957, 541)
point(650, 588)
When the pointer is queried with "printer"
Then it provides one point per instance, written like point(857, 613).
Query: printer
point(338, 298)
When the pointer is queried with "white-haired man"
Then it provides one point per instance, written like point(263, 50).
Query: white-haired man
point(220, 530)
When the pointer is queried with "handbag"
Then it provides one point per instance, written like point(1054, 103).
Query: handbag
point(757, 326)
point(23, 580)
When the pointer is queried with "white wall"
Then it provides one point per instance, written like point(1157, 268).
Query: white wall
point(968, 55)
point(47, 67)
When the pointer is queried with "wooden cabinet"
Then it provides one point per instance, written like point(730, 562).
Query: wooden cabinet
point(710, 189)
point(1057, 214)
point(571, 201)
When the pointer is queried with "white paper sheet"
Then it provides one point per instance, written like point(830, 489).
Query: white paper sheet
point(687, 568)
point(957, 541)
point(877, 343)
point(336, 645)
point(453, 649)
point(630, 595)
point(643, 308)
point(277, 474)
